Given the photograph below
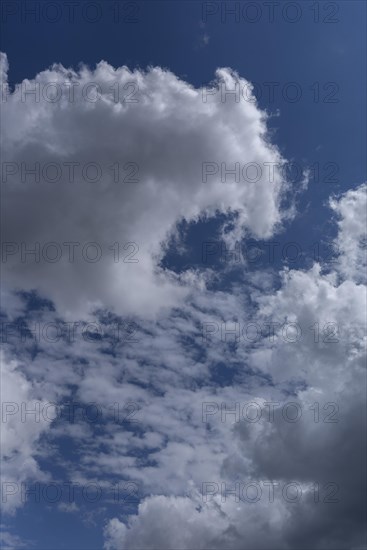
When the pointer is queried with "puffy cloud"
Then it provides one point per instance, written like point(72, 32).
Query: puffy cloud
point(351, 209)
point(164, 127)
point(19, 437)
point(185, 523)
point(329, 320)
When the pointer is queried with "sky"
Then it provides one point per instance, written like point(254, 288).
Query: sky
point(183, 257)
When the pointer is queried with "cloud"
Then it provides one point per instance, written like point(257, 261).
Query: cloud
point(167, 129)
point(185, 523)
point(19, 437)
point(9, 541)
point(351, 242)
point(324, 369)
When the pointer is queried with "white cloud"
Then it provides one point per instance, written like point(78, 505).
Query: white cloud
point(169, 133)
point(186, 523)
point(19, 434)
point(351, 209)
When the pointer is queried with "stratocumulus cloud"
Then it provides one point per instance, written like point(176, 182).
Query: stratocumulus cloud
point(298, 453)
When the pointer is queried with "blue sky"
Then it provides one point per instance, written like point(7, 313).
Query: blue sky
point(183, 286)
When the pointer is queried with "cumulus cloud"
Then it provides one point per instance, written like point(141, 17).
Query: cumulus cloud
point(185, 523)
point(166, 129)
point(351, 210)
point(19, 437)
